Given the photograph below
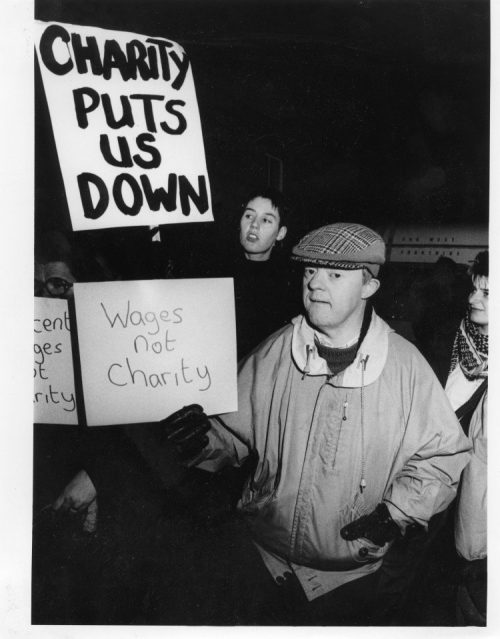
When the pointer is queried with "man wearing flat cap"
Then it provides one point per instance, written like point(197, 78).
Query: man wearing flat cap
point(353, 436)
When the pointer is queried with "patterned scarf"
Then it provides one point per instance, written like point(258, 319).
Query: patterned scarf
point(470, 350)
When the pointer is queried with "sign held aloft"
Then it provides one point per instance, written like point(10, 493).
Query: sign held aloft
point(127, 128)
point(147, 348)
point(54, 387)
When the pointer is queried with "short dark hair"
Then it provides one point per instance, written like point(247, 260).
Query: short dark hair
point(367, 275)
point(277, 200)
point(480, 265)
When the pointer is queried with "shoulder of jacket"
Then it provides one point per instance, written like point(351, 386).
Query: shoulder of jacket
point(404, 347)
point(404, 355)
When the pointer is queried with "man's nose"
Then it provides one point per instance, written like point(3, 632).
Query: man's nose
point(316, 281)
point(254, 224)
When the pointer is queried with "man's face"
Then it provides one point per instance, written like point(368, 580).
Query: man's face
point(478, 304)
point(333, 298)
point(260, 228)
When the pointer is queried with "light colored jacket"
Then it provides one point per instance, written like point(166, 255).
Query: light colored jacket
point(385, 419)
point(470, 520)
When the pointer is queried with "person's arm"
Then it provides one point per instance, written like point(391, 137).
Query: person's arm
point(108, 458)
point(205, 442)
point(224, 447)
point(432, 455)
point(100, 452)
point(212, 443)
point(470, 516)
point(434, 452)
point(105, 455)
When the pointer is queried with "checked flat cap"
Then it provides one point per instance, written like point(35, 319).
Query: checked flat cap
point(342, 245)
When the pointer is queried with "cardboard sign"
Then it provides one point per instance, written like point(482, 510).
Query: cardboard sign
point(54, 387)
point(126, 125)
point(147, 348)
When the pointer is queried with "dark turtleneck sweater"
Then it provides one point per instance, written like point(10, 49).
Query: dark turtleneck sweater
point(338, 359)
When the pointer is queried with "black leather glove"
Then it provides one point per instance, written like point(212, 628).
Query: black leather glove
point(186, 429)
point(378, 527)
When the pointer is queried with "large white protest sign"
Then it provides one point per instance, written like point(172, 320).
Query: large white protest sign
point(147, 348)
point(54, 386)
point(126, 125)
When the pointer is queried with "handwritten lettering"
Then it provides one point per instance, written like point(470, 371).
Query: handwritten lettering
point(50, 324)
point(56, 397)
point(130, 194)
point(41, 350)
point(159, 59)
point(139, 318)
point(125, 374)
point(142, 344)
point(125, 113)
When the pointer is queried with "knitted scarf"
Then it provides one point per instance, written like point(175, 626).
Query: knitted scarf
point(470, 351)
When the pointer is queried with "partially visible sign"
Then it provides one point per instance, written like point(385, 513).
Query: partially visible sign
point(147, 348)
point(127, 128)
point(54, 387)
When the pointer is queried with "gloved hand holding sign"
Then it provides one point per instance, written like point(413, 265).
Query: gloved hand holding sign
point(186, 429)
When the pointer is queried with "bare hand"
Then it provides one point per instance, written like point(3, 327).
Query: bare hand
point(77, 495)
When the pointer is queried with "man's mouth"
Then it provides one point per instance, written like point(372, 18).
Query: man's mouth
point(252, 237)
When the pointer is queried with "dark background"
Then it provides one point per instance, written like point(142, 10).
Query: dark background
point(379, 110)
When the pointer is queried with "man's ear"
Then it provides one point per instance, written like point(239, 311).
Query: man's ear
point(281, 234)
point(370, 288)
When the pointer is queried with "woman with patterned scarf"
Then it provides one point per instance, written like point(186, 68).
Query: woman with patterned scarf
point(467, 391)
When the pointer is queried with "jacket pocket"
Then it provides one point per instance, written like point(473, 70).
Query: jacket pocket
point(362, 550)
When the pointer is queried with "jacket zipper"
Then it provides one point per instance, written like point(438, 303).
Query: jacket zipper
point(362, 482)
point(344, 410)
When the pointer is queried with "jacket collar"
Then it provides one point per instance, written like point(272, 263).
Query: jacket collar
point(365, 369)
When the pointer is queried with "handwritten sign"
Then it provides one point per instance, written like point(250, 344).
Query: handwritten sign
point(126, 124)
point(147, 348)
point(54, 386)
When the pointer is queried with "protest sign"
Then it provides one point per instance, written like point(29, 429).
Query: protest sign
point(147, 348)
point(54, 387)
point(126, 125)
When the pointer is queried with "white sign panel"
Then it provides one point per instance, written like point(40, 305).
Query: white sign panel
point(54, 386)
point(126, 124)
point(147, 348)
